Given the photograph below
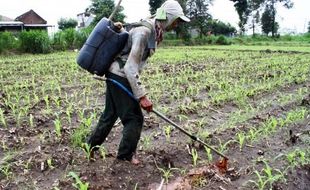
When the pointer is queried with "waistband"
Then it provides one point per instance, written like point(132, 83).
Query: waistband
point(120, 79)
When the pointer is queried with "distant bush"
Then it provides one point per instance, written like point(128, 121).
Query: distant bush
point(81, 37)
point(63, 39)
point(170, 36)
point(222, 40)
point(287, 38)
point(205, 40)
point(69, 35)
point(211, 39)
point(35, 41)
point(172, 43)
point(268, 40)
point(7, 41)
point(58, 41)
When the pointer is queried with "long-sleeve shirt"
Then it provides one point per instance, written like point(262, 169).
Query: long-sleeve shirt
point(133, 59)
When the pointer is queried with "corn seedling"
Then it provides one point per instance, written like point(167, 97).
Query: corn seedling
point(200, 123)
point(297, 157)
point(87, 149)
point(209, 154)
point(27, 165)
point(241, 140)
point(47, 102)
point(57, 101)
point(223, 146)
point(31, 123)
point(57, 125)
point(167, 173)
point(167, 131)
point(252, 134)
point(2, 118)
point(78, 183)
point(146, 141)
point(182, 117)
point(87, 121)
point(102, 152)
point(50, 163)
point(5, 169)
point(268, 177)
point(3, 145)
point(261, 181)
point(194, 156)
point(69, 112)
point(136, 186)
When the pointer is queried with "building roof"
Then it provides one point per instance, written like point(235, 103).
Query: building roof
point(31, 13)
point(4, 18)
point(38, 25)
point(10, 23)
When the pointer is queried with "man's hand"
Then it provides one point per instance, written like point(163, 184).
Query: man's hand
point(118, 26)
point(146, 104)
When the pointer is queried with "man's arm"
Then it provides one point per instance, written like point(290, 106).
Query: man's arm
point(131, 69)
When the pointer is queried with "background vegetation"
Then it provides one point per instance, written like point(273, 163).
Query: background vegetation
point(202, 30)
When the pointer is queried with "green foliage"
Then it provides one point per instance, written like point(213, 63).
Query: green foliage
point(309, 27)
point(7, 41)
point(64, 23)
point(198, 12)
point(104, 8)
point(69, 36)
point(154, 5)
point(79, 135)
point(268, 21)
point(81, 36)
point(222, 40)
point(217, 27)
point(295, 40)
point(267, 177)
point(78, 183)
point(211, 39)
point(70, 39)
point(207, 39)
point(243, 11)
point(58, 41)
point(35, 41)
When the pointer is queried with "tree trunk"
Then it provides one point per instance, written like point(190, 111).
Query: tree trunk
point(273, 18)
point(253, 26)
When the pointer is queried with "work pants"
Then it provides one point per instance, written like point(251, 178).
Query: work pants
point(119, 104)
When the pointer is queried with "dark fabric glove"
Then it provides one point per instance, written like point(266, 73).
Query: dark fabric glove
point(146, 104)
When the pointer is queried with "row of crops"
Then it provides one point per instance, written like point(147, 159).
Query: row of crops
point(237, 98)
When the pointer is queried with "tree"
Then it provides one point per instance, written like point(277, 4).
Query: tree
point(154, 5)
point(255, 19)
point(217, 27)
point(198, 13)
point(64, 23)
point(309, 27)
point(268, 22)
point(104, 8)
point(242, 8)
point(254, 6)
point(270, 6)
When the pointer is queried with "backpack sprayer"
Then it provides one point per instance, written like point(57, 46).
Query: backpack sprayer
point(102, 46)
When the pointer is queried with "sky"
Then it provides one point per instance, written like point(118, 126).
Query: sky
point(295, 19)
